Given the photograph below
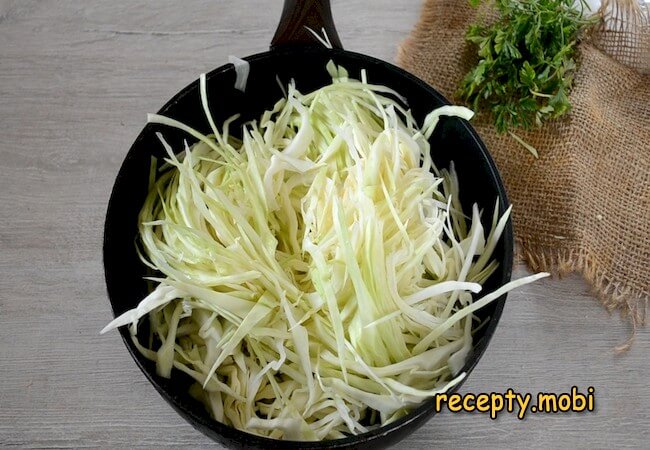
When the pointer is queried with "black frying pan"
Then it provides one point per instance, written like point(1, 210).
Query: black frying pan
point(295, 54)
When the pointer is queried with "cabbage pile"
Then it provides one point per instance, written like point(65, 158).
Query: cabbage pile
point(316, 275)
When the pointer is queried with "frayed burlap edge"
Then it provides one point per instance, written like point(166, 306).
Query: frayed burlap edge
point(632, 305)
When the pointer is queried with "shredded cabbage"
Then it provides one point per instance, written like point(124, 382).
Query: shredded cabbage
point(324, 40)
point(317, 274)
point(242, 68)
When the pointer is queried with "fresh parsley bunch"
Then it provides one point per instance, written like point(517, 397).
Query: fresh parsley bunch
point(527, 61)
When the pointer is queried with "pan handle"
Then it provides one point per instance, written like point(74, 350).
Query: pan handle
point(299, 14)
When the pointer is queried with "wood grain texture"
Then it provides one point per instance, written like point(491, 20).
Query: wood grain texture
point(76, 79)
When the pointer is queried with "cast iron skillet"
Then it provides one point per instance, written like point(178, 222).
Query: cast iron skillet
point(294, 54)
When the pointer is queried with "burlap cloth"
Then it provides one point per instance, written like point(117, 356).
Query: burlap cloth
point(584, 205)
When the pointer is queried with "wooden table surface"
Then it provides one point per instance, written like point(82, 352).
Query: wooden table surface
point(76, 79)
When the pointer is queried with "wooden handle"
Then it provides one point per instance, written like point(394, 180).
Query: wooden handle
point(297, 15)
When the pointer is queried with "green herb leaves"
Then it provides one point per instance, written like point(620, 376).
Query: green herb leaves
point(526, 62)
